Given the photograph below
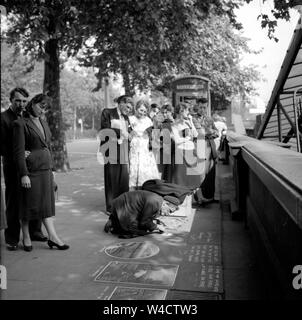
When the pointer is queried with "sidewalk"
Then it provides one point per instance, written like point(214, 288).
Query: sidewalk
point(205, 255)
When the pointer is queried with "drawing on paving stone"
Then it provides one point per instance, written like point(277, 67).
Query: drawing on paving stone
point(202, 253)
point(138, 273)
point(207, 237)
point(184, 210)
point(132, 293)
point(175, 223)
point(204, 277)
point(104, 295)
point(132, 250)
point(175, 240)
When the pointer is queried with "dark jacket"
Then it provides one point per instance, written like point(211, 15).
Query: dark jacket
point(210, 131)
point(7, 119)
point(26, 136)
point(167, 189)
point(133, 212)
point(110, 139)
point(13, 190)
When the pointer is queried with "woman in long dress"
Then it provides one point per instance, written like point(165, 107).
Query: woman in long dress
point(32, 154)
point(141, 159)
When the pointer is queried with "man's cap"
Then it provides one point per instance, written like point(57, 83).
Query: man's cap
point(201, 100)
point(172, 200)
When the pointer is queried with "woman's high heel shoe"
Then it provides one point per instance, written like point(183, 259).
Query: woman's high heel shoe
point(52, 244)
point(27, 248)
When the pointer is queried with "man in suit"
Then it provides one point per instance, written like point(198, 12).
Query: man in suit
point(115, 128)
point(135, 213)
point(18, 99)
point(207, 130)
point(163, 145)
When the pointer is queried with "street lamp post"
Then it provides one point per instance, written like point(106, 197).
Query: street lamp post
point(74, 122)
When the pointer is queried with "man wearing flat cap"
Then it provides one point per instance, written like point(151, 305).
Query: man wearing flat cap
point(114, 132)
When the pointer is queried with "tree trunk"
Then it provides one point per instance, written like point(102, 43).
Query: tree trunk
point(74, 122)
point(93, 126)
point(51, 87)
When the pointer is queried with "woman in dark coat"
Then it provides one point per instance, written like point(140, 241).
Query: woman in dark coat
point(31, 145)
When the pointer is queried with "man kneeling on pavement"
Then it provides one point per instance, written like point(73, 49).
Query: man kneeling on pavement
point(135, 213)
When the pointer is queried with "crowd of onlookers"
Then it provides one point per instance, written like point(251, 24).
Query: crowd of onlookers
point(178, 145)
point(168, 150)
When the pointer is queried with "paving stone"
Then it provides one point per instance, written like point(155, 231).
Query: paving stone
point(205, 237)
point(206, 224)
point(242, 284)
point(199, 277)
point(88, 290)
point(142, 273)
point(202, 253)
point(132, 250)
point(28, 290)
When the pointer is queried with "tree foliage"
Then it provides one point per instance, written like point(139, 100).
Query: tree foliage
point(141, 39)
point(33, 23)
point(147, 42)
point(280, 11)
point(76, 85)
point(18, 71)
point(78, 99)
point(44, 29)
point(214, 51)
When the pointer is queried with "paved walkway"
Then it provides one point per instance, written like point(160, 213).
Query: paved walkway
point(204, 255)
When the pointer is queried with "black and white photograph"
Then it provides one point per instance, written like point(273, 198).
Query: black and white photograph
point(151, 151)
